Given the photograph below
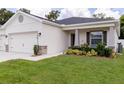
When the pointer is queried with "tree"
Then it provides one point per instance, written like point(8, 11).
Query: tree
point(53, 15)
point(99, 15)
point(102, 16)
point(122, 27)
point(25, 10)
point(5, 15)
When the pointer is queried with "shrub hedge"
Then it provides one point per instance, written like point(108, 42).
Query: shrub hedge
point(84, 49)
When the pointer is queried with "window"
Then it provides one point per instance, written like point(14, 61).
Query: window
point(95, 38)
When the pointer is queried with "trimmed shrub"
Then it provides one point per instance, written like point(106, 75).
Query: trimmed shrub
point(36, 49)
point(77, 52)
point(73, 51)
point(84, 52)
point(113, 55)
point(88, 53)
point(68, 51)
point(107, 52)
point(100, 49)
point(85, 47)
point(75, 47)
point(93, 52)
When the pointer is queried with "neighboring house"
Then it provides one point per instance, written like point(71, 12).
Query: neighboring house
point(22, 31)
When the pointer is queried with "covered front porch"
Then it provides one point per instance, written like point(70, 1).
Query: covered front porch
point(93, 36)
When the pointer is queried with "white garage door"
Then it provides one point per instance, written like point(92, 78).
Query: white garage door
point(2, 42)
point(23, 42)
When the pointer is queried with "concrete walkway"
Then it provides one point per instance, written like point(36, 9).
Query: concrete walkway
point(36, 58)
point(4, 56)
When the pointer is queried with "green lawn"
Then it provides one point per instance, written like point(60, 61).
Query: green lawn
point(64, 69)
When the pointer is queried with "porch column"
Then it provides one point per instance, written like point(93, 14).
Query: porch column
point(112, 38)
point(76, 37)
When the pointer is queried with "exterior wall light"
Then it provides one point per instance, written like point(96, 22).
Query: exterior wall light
point(39, 34)
point(6, 36)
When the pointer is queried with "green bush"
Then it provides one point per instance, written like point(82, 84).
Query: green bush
point(108, 52)
point(100, 49)
point(36, 49)
point(75, 47)
point(85, 47)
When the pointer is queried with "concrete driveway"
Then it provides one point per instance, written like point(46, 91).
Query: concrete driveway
point(4, 56)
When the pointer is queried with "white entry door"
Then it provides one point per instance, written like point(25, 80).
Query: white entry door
point(22, 42)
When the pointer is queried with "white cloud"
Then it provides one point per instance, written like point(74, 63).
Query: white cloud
point(108, 12)
point(65, 12)
point(74, 12)
point(40, 11)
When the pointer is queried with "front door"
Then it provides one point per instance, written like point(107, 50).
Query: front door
point(72, 39)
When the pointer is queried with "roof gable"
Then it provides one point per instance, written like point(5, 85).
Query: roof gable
point(15, 15)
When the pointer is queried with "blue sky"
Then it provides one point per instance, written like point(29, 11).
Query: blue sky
point(84, 12)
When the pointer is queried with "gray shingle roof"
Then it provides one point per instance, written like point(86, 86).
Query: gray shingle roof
point(74, 20)
point(78, 20)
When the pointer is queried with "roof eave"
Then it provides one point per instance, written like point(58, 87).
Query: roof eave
point(50, 23)
point(90, 23)
point(80, 24)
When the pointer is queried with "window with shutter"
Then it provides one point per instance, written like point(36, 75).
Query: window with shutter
point(105, 37)
point(88, 38)
point(96, 37)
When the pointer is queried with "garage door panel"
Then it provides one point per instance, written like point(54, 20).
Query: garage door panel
point(23, 42)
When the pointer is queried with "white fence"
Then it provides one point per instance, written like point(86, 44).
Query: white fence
point(122, 41)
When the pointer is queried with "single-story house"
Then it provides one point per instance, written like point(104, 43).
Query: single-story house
point(22, 31)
